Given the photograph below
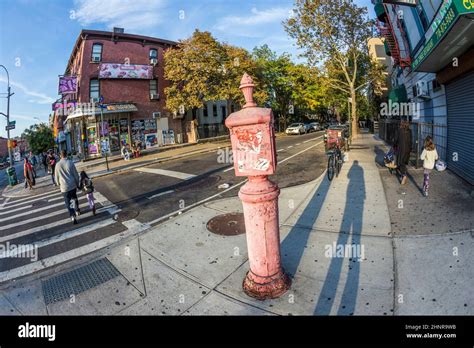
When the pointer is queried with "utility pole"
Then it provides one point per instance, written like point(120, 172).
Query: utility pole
point(102, 134)
point(9, 94)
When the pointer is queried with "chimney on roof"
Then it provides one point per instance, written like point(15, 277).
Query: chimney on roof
point(118, 30)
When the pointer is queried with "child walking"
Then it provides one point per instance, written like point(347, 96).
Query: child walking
point(88, 188)
point(429, 156)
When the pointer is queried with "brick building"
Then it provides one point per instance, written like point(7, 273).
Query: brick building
point(127, 71)
point(3, 147)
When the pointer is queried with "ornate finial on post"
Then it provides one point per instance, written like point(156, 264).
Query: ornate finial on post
point(246, 86)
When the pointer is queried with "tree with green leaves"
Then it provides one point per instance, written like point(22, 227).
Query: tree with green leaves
point(293, 89)
point(202, 69)
point(39, 137)
point(337, 32)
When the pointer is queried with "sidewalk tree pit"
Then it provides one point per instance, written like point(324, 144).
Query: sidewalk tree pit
point(253, 145)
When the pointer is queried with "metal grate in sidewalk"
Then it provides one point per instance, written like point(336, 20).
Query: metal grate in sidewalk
point(62, 286)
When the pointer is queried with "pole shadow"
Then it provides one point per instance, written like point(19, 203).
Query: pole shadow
point(297, 239)
point(351, 227)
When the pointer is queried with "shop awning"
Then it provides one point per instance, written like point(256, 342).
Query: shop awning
point(450, 35)
point(107, 109)
point(398, 95)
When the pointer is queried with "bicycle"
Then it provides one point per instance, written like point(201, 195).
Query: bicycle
point(334, 163)
point(335, 142)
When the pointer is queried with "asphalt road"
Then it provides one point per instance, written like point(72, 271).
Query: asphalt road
point(133, 200)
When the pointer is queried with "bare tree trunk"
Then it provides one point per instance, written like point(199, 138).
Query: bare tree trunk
point(354, 116)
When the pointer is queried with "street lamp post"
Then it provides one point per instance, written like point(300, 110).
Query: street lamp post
point(9, 94)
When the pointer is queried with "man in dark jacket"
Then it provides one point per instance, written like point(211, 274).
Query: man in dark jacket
point(403, 145)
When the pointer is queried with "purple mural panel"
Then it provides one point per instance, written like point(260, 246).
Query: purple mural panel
point(67, 84)
point(125, 71)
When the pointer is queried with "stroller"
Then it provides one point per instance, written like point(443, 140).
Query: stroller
point(390, 161)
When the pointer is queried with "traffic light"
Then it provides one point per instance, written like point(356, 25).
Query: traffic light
point(12, 144)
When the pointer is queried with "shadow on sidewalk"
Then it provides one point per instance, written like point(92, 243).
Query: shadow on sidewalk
point(351, 226)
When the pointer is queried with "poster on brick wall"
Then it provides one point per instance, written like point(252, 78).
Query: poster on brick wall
point(138, 131)
point(125, 71)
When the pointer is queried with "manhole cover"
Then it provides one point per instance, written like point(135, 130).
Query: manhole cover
point(126, 215)
point(231, 224)
point(201, 183)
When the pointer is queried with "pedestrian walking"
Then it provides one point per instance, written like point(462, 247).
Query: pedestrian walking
point(402, 146)
point(52, 164)
point(33, 162)
point(44, 160)
point(28, 174)
point(87, 187)
point(68, 180)
point(429, 156)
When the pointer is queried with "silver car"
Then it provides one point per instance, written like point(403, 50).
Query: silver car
point(296, 128)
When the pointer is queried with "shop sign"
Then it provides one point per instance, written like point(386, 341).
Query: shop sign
point(121, 107)
point(125, 71)
point(449, 15)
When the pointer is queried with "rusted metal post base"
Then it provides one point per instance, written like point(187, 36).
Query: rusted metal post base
point(266, 288)
point(266, 278)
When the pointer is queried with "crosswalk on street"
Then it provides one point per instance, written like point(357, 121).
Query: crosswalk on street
point(36, 231)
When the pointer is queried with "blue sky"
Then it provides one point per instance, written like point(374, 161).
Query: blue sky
point(37, 36)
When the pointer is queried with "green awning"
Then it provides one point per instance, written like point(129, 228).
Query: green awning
point(398, 95)
point(380, 12)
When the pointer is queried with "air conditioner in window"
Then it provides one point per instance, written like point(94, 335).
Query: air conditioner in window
point(157, 115)
point(153, 61)
point(96, 59)
point(422, 90)
point(154, 96)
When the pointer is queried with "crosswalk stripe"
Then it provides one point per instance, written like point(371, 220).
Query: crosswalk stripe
point(171, 173)
point(36, 210)
point(58, 223)
point(24, 222)
point(3, 204)
point(60, 237)
point(35, 196)
point(17, 209)
point(64, 257)
point(16, 203)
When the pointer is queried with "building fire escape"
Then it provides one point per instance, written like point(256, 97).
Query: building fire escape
point(387, 31)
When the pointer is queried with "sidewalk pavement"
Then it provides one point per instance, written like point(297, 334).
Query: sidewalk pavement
point(98, 167)
point(179, 267)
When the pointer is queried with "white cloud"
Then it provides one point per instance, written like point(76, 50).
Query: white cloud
point(26, 117)
point(253, 24)
point(39, 98)
point(133, 15)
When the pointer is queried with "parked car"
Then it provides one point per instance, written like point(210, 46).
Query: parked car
point(315, 126)
point(308, 128)
point(296, 128)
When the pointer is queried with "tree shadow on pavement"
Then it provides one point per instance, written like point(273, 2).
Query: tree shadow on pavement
point(351, 226)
